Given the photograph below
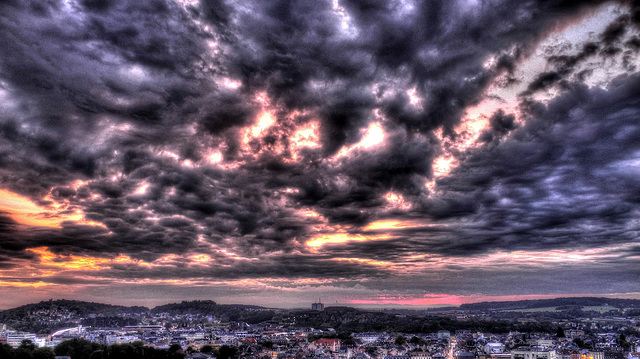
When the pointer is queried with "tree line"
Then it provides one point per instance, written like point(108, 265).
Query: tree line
point(84, 349)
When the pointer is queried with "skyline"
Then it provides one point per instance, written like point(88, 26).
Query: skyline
point(372, 153)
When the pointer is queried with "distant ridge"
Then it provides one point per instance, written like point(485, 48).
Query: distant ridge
point(47, 316)
point(205, 306)
point(27, 317)
point(556, 302)
point(84, 308)
point(76, 306)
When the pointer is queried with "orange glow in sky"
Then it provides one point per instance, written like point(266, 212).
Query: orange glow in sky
point(443, 165)
point(23, 210)
point(447, 299)
point(74, 262)
point(432, 299)
point(372, 136)
point(215, 157)
point(264, 121)
point(142, 189)
point(397, 201)
point(200, 258)
point(365, 261)
point(305, 136)
point(24, 284)
point(390, 224)
point(337, 238)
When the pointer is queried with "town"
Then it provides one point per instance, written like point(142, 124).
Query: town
point(204, 329)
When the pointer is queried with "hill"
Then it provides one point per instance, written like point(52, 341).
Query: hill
point(226, 312)
point(614, 303)
point(74, 307)
point(45, 316)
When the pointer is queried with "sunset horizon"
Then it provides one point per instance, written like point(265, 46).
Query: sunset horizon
point(386, 304)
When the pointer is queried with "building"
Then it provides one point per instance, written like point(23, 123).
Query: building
point(464, 355)
point(592, 355)
point(533, 354)
point(327, 343)
point(16, 339)
point(317, 306)
point(494, 348)
point(367, 337)
point(420, 355)
point(545, 343)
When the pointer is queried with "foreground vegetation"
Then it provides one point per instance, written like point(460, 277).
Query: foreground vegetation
point(84, 349)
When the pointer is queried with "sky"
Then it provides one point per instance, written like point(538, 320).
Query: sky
point(365, 153)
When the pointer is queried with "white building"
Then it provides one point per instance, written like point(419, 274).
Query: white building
point(545, 343)
point(533, 354)
point(494, 348)
point(16, 339)
point(368, 337)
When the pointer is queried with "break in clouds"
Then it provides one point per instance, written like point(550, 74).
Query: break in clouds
point(356, 148)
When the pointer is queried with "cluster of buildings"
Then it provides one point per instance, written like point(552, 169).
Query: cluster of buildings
point(273, 342)
point(200, 336)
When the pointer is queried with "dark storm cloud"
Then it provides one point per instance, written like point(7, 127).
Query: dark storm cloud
point(284, 45)
point(565, 66)
point(282, 266)
point(558, 181)
point(69, 75)
point(500, 124)
point(120, 94)
point(515, 280)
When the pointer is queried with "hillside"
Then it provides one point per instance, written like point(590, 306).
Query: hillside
point(556, 302)
point(225, 312)
point(45, 316)
point(75, 307)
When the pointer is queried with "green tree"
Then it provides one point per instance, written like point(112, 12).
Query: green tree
point(23, 353)
point(77, 348)
point(400, 340)
point(206, 349)
point(44, 353)
point(6, 351)
point(560, 332)
point(227, 352)
point(28, 345)
point(622, 341)
point(349, 341)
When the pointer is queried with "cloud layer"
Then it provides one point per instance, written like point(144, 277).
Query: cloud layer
point(357, 149)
